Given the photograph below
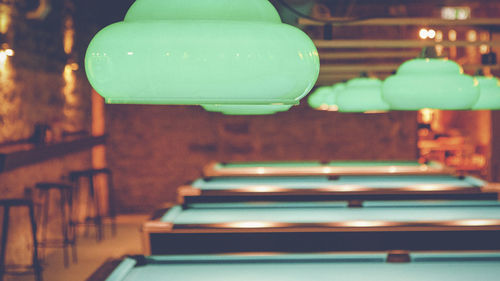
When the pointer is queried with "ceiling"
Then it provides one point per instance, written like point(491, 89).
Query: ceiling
point(390, 36)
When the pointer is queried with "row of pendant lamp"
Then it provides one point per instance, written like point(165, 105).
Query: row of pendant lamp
point(236, 57)
point(418, 84)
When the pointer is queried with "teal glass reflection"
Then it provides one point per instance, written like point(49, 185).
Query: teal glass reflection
point(430, 83)
point(202, 52)
point(489, 93)
point(238, 109)
point(362, 95)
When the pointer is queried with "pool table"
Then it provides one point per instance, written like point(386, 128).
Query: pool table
point(208, 228)
point(316, 168)
point(353, 189)
point(301, 267)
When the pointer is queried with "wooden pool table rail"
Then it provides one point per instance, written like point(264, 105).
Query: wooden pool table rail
point(124, 265)
point(162, 237)
point(215, 169)
point(189, 194)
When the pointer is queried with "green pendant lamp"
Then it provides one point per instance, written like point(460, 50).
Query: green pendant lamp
point(325, 98)
point(330, 103)
point(489, 97)
point(238, 109)
point(317, 98)
point(430, 83)
point(362, 94)
point(202, 52)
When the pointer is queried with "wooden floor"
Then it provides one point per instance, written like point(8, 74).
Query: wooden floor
point(92, 254)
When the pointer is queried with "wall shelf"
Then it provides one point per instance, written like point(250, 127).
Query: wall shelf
point(16, 156)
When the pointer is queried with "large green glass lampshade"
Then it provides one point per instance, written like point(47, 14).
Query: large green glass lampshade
point(238, 109)
point(362, 95)
point(430, 83)
point(202, 52)
point(489, 93)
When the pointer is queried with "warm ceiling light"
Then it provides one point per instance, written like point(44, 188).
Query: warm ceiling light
point(427, 33)
point(202, 52)
point(471, 35)
point(439, 36)
point(431, 33)
point(238, 109)
point(423, 33)
point(489, 97)
point(3, 57)
point(484, 49)
point(452, 35)
point(430, 83)
point(426, 115)
point(362, 95)
point(456, 13)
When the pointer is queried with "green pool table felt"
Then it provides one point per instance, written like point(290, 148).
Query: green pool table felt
point(333, 212)
point(318, 267)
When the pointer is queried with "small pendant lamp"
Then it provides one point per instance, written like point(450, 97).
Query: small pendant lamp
point(362, 94)
point(429, 82)
point(489, 93)
point(317, 98)
point(202, 52)
point(229, 109)
point(325, 98)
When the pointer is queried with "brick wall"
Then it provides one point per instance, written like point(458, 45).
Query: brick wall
point(154, 149)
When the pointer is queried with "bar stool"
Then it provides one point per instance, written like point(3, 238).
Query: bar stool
point(68, 234)
point(93, 203)
point(26, 203)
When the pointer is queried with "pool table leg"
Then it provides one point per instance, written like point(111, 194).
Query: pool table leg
point(37, 268)
point(146, 243)
point(5, 232)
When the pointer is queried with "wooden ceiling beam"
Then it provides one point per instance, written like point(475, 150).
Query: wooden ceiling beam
point(358, 67)
point(387, 68)
point(379, 43)
point(332, 78)
point(369, 55)
point(403, 22)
